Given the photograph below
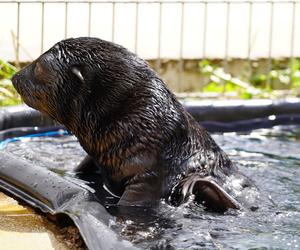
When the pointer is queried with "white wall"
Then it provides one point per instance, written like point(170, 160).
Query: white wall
point(148, 25)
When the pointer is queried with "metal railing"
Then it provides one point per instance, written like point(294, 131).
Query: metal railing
point(160, 4)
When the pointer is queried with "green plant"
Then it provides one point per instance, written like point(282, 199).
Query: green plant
point(295, 72)
point(8, 95)
point(220, 82)
point(260, 84)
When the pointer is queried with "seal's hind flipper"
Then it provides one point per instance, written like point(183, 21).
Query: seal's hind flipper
point(207, 192)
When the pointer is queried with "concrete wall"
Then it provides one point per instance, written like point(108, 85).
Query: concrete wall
point(186, 77)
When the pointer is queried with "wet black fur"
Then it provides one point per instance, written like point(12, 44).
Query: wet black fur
point(124, 116)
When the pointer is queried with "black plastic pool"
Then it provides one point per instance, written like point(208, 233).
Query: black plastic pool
point(269, 156)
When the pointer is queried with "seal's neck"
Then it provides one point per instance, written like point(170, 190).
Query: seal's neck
point(142, 121)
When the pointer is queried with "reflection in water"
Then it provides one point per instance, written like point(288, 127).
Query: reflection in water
point(270, 157)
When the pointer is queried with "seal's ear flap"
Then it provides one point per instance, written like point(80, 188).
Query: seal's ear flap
point(76, 72)
point(207, 192)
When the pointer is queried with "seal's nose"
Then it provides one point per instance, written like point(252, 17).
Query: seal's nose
point(21, 77)
point(16, 80)
point(19, 80)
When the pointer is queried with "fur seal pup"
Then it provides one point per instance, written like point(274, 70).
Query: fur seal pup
point(129, 123)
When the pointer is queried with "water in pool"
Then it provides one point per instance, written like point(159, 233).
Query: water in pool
point(270, 157)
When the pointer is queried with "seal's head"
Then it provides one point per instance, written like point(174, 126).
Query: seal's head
point(81, 73)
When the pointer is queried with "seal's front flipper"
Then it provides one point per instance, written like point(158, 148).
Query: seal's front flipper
point(207, 192)
point(143, 190)
point(88, 164)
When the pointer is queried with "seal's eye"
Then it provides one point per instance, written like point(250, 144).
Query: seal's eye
point(77, 73)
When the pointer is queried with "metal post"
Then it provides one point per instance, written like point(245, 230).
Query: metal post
point(270, 44)
point(227, 35)
point(66, 19)
point(181, 48)
point(89, 18)
point(158, 62)
point(113, 22)
point(249, 40)
point(292, 41)
point(204, 31)
point(225, 62)
point(136, 27)
point(18, 36)
point(42, 27)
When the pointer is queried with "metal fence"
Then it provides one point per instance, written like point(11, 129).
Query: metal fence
point(65, 4)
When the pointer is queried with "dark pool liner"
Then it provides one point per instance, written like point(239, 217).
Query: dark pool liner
point(216, 116)
point(54, 194)
point(237, 110)
point(251, 124)
point(22, 116)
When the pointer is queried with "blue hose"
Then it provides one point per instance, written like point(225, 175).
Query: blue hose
point(4, 143)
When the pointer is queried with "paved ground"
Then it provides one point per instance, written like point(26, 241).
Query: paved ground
point(22, 228)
